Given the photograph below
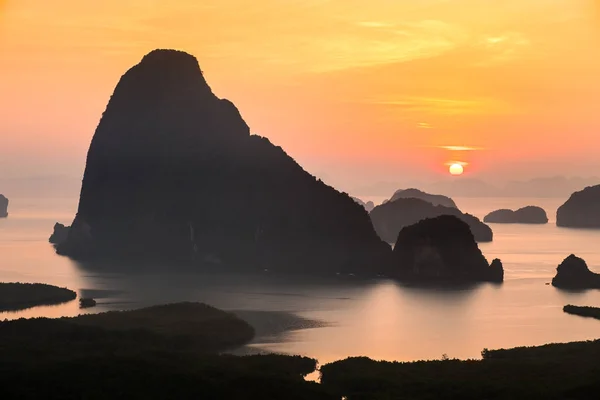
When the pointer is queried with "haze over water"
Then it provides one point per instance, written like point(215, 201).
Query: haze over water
point(380, 319)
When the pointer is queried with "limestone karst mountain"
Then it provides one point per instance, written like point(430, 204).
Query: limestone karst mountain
point(442, 248)
point(173, 174)
point(435, 199)
point(389, 218)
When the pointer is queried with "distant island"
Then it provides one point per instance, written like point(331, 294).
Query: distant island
point(435, 199)
point(174, 175)
point(442, 249)
point(369, 205)
point(525, 215)
point(389, 218)
point(582, 210)
point(19, 296)
point(573, 273)
point(542, 187)
point(3, 206)
point(591, 312)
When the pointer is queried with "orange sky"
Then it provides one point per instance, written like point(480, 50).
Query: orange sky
point(357, 91)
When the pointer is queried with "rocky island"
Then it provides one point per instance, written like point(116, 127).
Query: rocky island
point(573, 273)
point(525, 215)
point(173, 174)
point(3, 206)
point(582, 210)
point(389, 218)
point(435, 199)
point(442, 249)
point(60, 234)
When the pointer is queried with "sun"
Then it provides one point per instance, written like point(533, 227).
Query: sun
point(456, 169)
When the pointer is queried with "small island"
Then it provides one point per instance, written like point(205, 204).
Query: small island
point(582, 210)
point(573, 273)
point(582, 311)
point(525, 215)
point(87, 302)
point(442, 249)
point(3, 206)
point(20, 296)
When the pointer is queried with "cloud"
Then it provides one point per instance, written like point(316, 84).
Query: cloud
point(445, 106)
point(462, 163)
point(459, 148)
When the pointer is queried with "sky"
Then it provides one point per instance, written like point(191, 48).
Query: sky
point(356, 91)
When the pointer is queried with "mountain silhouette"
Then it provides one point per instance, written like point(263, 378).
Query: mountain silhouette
point(581, 210)
point(435, 199)
point(442, 248)
point(525, 215)
point(174, 175)
point(389, 218)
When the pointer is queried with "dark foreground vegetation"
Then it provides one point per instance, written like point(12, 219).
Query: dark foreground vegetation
point(173, 351)
point(160, 352)
point(19, 296)
point(555, 371)
point(592, 312)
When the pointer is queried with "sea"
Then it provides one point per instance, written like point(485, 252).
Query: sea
point(342, 316)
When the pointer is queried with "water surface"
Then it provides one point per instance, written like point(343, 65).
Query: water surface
point(340, 316)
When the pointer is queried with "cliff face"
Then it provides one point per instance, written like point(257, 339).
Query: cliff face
point(3, 206)
point(389, 218)
point(442, 248)
point(435, 199)
point(582, 210)
point(173, 174)
point(525, 215)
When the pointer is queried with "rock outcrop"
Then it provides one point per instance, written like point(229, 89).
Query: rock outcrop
point(173, 175)
point(582, 210)
point(369, 205)
point(442, 248)
point(573, 273)
point(60, 234)
point(435, 199)
point(389, 218)
point(3, 206)
point(525, 215)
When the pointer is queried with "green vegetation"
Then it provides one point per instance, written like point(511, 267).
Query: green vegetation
point(592, 312)
point(190, 328)
point(172, 351)
point(554, 371)
point(168, 351)
point(19, 296)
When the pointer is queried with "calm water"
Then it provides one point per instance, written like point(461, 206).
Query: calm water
point(379, 319)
